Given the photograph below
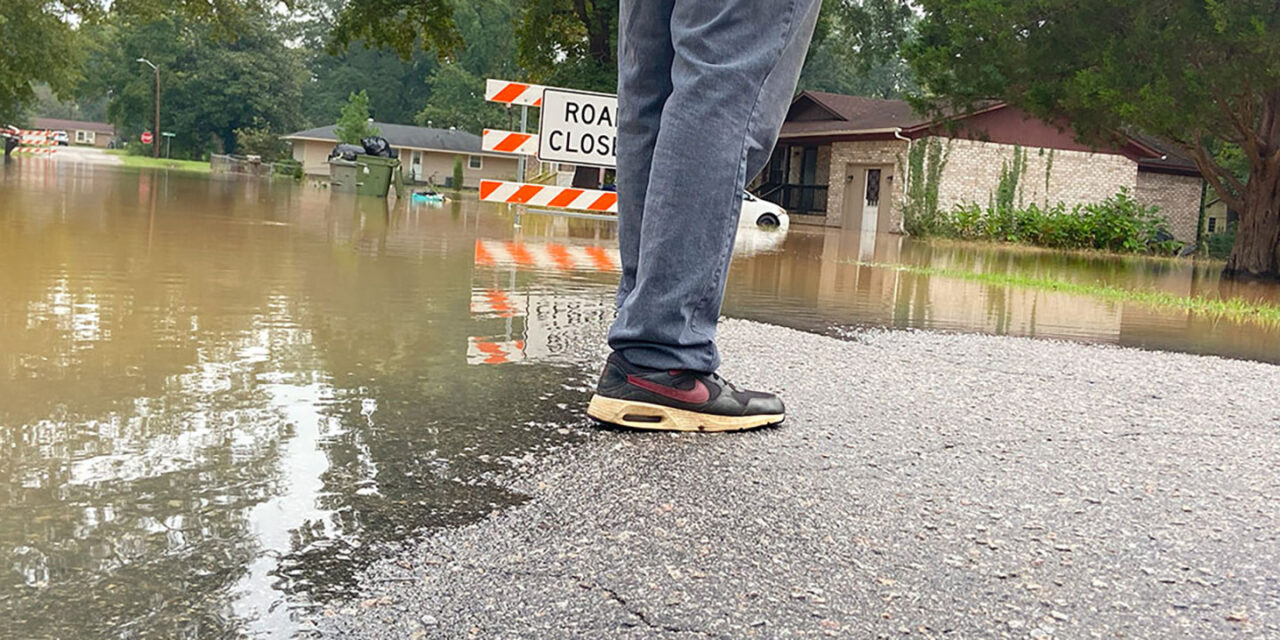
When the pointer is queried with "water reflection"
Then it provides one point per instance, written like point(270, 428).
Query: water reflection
point(220, 399)
point(215, 396)
point(827, 280)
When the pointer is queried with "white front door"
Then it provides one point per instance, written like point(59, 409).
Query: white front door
point(871, 200)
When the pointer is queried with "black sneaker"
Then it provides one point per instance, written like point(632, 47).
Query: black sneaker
point(641, 398)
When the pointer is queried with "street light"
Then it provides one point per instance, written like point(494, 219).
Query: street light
point(155, 138)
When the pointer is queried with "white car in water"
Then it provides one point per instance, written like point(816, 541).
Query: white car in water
point(762, 213)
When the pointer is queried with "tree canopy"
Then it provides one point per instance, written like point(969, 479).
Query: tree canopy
point(353, 121)
point(210, 84)
point(39, 46)
point(856, 49)
point(1195, 72)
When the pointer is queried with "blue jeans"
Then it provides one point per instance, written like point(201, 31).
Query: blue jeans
point(703, 87)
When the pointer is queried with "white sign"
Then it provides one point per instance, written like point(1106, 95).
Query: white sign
point(578, 127)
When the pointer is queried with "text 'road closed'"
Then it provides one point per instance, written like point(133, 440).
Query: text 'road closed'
point(578, 128)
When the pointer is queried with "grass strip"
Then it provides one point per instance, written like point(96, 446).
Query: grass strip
point(147, 162)
point(1233, 308)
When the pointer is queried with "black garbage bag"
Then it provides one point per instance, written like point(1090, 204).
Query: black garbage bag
point(347, 152)
point(377, 146)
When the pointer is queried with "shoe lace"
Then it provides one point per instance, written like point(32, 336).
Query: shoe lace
point(718, 378)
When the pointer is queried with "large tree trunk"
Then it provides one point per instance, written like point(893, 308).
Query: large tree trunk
point(1256, 253)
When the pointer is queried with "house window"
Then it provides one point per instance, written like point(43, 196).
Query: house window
point(1213, 225)
point(475, 162)
point(85, 137)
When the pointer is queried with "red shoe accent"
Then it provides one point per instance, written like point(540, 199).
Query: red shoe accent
point(697, 395)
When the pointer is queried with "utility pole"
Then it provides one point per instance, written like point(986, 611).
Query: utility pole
point(155, 137)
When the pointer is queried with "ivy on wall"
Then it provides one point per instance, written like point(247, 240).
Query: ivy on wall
point(925, 163)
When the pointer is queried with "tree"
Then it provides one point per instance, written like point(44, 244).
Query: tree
point(457, 100)
point(567, 42)
point(39, 46)
point(1199, 73)
point(259, 140)
point(353, 123)
point(856, 49)
point(211, 84)
point(570, 42)
point(394, 84)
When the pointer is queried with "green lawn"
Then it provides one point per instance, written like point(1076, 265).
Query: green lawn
point(172, 164)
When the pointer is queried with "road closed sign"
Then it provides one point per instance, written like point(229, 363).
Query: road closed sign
point(578, 127)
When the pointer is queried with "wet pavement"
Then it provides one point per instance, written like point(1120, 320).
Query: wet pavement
point(924, 486)
point(228, 406)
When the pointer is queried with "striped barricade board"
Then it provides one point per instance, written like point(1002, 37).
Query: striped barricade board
point(576, 127)
point(497, 141)
point(543, 195)
point(517, 93)
point(39, 142)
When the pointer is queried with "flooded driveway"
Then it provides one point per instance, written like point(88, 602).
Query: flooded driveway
point(220, 399)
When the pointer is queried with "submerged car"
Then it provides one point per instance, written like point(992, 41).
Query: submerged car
point(61, 138)
point(762, 213)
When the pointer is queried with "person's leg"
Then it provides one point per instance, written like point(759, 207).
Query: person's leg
point(645, 55)
point(735, 69)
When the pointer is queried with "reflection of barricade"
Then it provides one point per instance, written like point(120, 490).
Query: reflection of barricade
point(548, 256)
point(38, 142)
point(482, 351)
point(496, 302)
point(547, 324)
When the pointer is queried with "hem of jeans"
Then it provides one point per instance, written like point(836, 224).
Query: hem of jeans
point(650, 357)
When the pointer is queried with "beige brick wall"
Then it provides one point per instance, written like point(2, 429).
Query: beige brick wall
point(1178, 198)
point(884, 153)
point(973, 172)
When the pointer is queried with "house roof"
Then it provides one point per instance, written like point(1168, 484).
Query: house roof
point(405, 136)
point(852, 114)
point(58, 124)
point(1166, 156)
point(818, 114)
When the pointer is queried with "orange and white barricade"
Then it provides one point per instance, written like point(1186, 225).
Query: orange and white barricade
point(496, 140)
point(39, 142)
point(545, 256)
point(541, 195)
point(519, 93)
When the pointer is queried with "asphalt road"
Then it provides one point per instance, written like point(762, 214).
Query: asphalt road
point(925, 486)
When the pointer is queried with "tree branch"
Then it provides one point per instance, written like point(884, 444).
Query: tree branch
point(1248, 139)
point(1216, 175)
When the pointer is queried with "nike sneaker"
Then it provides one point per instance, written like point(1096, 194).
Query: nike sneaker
point(642, 398)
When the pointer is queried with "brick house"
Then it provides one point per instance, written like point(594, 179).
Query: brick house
point(833, 146)
point(79, 132)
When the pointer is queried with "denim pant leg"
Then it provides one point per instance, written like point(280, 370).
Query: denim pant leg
point(645, 55)
point(734, 71)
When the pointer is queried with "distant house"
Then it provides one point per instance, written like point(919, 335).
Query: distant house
point(93, 134)
point(427, 154)
point(1218, 217)
point(838, 158)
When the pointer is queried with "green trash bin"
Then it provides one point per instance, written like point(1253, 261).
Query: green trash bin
point(373, 175)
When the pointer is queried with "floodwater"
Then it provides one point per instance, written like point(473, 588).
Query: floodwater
point(219, 399)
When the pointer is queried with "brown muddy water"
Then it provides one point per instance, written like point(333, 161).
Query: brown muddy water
point(220, 399)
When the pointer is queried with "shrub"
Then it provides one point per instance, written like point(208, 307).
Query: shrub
point(458, 176)
point(1219, 244)
point(1120, 224)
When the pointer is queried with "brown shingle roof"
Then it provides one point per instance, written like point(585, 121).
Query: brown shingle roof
point(58, 124)
point(854, 114)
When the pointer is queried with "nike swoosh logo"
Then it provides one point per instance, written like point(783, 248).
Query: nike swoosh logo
point(697, 395)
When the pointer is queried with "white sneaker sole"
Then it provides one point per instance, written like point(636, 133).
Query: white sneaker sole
point(655, 417)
